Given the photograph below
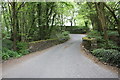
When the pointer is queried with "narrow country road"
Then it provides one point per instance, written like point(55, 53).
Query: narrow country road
point(62, 61)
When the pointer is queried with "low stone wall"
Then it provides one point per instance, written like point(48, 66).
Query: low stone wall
point(89, 43)
point(44, 44)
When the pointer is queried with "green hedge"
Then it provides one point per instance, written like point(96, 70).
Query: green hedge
point(106, 51)
point(77, 29)
point(110, 56)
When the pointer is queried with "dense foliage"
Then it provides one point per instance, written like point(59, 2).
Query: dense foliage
point(21, 24)
point(108, 55)
point(24, 22)
point(105, 21)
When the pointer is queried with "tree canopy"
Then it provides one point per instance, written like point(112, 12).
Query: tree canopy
point(33, 21)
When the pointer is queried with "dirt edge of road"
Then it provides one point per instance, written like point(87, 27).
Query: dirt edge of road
point(23, 58)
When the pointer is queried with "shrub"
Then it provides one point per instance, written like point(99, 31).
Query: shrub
point(22, 48)
point(22, 45)
point(65, 33)
point(110, 56)
point(7, 43)
point(113, 33)
point(101, 42)
point(64, 36)
point(109, 45)
point(96, 35)
point(11, 53)
point(6, 54)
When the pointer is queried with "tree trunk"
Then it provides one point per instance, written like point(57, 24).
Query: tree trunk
point(97, 20)
point(52, 26)
point(14, 25)
point(39, 19)
point(101, 16)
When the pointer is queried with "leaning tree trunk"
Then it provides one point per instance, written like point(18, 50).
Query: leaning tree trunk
point(115, 17)
point(101, 16)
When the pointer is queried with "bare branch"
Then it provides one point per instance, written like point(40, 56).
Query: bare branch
point(10, 2)
point(21, 5)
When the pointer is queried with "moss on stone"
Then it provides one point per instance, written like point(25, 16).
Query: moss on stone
point(88, 39)
point(42, 40)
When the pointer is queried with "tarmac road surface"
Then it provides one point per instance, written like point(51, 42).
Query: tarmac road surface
point(61, 61)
